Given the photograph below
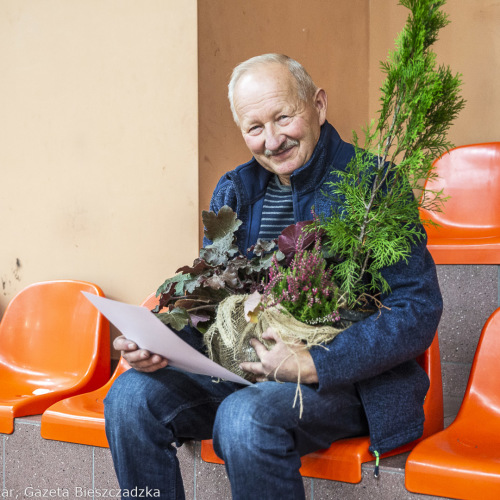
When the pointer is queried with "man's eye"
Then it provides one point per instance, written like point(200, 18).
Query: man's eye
point(254, 130)
point(284, 119)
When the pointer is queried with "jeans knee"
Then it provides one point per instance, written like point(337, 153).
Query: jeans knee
point(242, 425)
point(168, 399)
point(232, 429)
point(123, 398)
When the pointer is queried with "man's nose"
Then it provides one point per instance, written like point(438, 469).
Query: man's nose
point(274, 139)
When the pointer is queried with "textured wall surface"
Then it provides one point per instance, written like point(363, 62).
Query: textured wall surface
point(98, 143)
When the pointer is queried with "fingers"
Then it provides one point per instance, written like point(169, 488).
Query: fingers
point(259, 347)
point(257, 369)
point(123, 344)
point(262, 374)
point(144, 361)
point(271, 334)
point(286, 362)
point(139, 359)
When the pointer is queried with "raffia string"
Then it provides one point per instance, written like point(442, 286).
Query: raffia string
point(228, 338)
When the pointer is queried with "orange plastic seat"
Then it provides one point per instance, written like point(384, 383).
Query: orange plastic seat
point(342, 461)
point(53, 344)
point(80, 419)
point(463, 461)
point(470, 221)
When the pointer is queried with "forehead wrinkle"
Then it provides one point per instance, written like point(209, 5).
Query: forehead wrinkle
point(274, 85)
point(266, 106)
point(270, 101)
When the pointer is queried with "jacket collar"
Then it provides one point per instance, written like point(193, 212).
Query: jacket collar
point(308, 177)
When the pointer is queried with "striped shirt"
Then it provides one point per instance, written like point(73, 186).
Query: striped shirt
point(277, 211)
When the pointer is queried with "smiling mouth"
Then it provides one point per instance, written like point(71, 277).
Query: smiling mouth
point(286, 146)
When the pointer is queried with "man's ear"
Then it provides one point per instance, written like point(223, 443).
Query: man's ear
point(321, 104)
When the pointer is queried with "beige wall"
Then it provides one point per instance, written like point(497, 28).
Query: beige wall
point(470, 45)
point(100, 174)
point(98, 143)
point(329, 37)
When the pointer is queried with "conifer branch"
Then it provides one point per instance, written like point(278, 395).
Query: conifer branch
point(377, 219)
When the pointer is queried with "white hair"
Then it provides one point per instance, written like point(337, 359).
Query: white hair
point(306, 88)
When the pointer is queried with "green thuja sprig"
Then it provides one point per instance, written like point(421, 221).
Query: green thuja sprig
point(377, 219)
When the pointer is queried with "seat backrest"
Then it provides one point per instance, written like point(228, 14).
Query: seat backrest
point(151, 301)
point(430, 361)
point(470, 176)
point(50, 327)
point(483, 389)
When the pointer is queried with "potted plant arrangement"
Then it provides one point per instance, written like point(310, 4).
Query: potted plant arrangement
point(322, 274)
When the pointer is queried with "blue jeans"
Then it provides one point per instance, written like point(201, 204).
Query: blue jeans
point(256, 430)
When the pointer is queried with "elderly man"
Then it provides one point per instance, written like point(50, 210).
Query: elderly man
point(367, 380)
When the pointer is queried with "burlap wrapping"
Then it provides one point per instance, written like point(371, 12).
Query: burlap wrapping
point(228, 338)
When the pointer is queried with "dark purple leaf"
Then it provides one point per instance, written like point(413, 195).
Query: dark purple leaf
point(262, 247)
point(230, 277)
point(187, 303)
point(199, 265)
point(216, 282)
point(198, 317)
point(293, 238)
point(165, 296)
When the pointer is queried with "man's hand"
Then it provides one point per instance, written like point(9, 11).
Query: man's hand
point(139, 359)
point(283, 362)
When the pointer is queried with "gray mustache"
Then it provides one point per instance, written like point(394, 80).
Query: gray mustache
point(289, 143)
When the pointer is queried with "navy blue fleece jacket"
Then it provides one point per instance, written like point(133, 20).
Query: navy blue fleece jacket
point(377, 354)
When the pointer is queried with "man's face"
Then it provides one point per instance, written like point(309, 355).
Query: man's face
point(280, 130)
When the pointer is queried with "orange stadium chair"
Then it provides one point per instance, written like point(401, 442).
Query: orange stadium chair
point(463, 461)
point(53, 344)
point(80, 419)
point(342, 461)
point(469, 231)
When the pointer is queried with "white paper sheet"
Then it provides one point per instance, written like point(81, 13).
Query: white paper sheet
point(141, 326)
